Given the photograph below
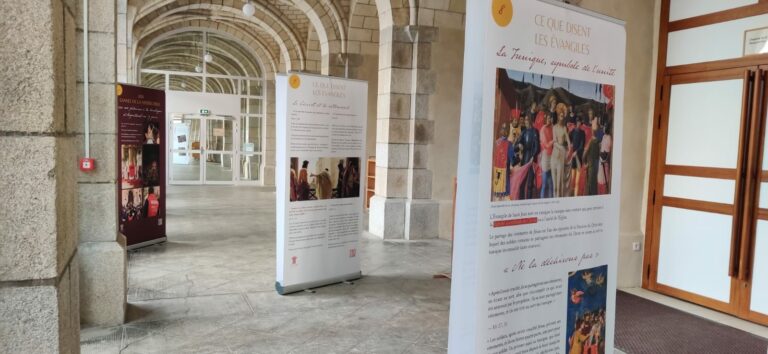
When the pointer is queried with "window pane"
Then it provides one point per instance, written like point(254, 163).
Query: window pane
point(704, 121)
point(254, 87)
point(220, 135)
point(218, 167)
point(186, 83)
point(185, 166)
point(220, 85)
point(680, 9)
point(254, 105)
point(694, 252)
point(696, 188)
point(155, 81)
point(760, 269)
point(250, 167)
point(250, 130)
point(694, 45)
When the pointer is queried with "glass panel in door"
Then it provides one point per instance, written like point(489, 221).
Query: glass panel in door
point(759, 294)
point(186, 149)
point(250, 168)
point(219, 152)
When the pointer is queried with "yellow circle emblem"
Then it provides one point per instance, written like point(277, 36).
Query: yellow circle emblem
point(502, 12)
point(294, 81)
point(119, 89)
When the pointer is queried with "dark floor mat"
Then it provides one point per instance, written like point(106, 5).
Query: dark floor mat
point(646, 327)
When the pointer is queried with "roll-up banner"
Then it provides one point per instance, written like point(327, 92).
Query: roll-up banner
point(321, 124)
point(140, 164)
point(537, 224)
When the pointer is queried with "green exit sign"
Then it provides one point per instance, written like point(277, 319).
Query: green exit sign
point(205, 112)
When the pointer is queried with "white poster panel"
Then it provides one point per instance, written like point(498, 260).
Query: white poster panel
point(537, 221)
point(321, 123)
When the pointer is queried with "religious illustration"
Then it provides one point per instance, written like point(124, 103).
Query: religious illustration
point(553, 137)
point(131, 171)
point(587, 297)
point(324, 178)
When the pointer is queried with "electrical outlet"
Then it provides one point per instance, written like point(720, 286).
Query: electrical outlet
point(636, 246)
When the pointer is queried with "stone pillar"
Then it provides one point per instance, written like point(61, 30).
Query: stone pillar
point(102, 251)
point(403, 205)
point(123, 52)
point(39, 304)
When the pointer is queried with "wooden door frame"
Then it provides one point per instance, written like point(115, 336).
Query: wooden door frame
point(658, 150)
point(662, 170)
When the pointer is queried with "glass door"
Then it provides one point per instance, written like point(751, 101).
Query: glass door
point(186, 146)
point(219, 152)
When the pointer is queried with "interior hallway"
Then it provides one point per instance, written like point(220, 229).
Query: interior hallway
point(210, 289)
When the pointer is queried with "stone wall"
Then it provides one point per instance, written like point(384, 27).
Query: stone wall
point(39, 307)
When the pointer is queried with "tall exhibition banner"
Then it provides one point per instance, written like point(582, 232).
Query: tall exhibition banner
point(321, 125)
point(140, 164)
point(537, 224)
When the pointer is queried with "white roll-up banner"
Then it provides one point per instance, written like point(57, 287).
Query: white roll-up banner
point(321, 124)
point(537, 219)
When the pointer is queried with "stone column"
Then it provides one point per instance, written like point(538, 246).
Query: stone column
point(38, 232)
point(102, 250)
point(403, 205)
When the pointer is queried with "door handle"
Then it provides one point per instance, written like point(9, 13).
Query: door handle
point(753, 201)
point(742, 179)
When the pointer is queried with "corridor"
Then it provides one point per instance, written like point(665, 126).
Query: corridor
point(210, 289)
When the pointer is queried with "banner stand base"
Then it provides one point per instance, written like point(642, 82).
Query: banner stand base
point(146, 243)
point(285, 290)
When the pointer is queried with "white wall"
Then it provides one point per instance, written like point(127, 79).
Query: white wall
point(193, 102)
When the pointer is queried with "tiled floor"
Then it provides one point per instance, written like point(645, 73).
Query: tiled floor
point(210, 289)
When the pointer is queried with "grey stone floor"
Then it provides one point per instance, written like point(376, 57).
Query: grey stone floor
point(210, 289)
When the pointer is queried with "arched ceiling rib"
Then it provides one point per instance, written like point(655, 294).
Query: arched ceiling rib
point(266, 20)
point(267, 49)
point(183, 51)
point(285, 23)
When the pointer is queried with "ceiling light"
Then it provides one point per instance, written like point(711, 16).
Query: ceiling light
point(249, 9)
point(198, 68)
point(208, 57)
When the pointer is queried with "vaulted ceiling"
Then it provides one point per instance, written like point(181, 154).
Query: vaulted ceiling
point(280, 33)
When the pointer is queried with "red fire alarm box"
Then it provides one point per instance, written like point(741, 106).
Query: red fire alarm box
point(87, 164)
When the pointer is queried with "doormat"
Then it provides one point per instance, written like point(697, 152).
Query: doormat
point(643, 326)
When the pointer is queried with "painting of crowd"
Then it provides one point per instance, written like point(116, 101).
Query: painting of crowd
point(553, 137)
point(324, 178)
point(139, 203)
point(587, 300)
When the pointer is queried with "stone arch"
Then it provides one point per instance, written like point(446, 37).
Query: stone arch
point(330, 33)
